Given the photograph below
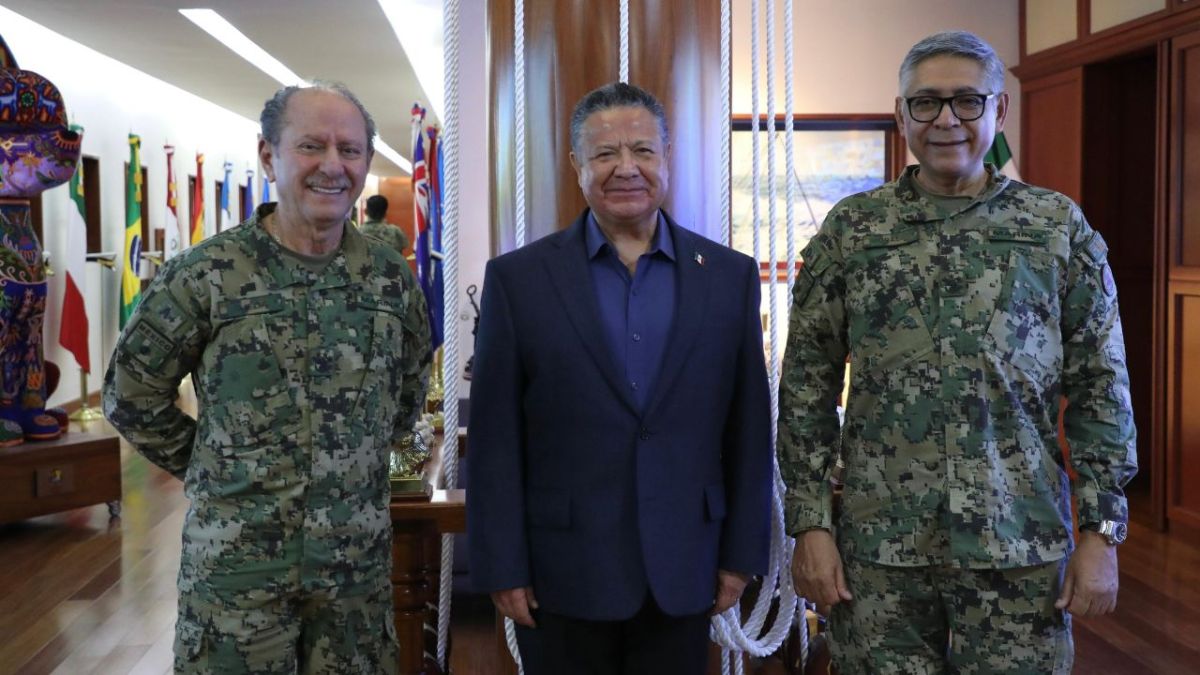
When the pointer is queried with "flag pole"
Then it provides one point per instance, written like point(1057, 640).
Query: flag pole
point(86, 413)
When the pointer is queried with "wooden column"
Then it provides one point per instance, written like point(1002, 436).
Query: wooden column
point(572, 47)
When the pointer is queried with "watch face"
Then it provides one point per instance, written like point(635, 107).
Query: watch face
point(1120, 531)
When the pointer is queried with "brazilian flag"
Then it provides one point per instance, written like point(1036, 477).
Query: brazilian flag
point(131, 281)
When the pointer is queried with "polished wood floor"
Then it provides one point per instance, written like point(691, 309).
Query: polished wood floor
point(80, 594)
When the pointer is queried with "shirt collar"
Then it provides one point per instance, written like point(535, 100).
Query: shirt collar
point(597, 242)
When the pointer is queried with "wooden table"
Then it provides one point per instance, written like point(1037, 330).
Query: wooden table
point(80, 468)
point(417, 527)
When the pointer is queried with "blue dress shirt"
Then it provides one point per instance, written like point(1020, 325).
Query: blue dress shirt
point(636, 311)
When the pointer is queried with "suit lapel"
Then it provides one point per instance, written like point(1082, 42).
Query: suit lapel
point(568, 269)
point(692, 289)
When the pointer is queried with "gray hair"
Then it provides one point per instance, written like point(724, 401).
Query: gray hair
point(273, 118)
point(615, 95)
point(955, 43)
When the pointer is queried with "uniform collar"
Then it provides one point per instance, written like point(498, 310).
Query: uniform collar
point(349, 267)
point(915, 208)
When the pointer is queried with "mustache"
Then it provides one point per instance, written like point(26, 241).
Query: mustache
point(327, 183)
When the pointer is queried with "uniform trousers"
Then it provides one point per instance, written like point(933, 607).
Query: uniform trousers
point(951, 620)
point(311, 632)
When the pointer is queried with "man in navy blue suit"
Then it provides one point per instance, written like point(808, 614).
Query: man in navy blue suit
point(619, 475)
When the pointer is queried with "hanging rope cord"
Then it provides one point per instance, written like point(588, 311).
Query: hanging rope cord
point(510, 628)
point(777, 584)
point(450, 312)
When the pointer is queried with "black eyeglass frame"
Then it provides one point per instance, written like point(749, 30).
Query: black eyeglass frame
point(943, 100)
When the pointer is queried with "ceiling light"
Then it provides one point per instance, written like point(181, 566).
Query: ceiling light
point(387, 151)
point(418, 27)
point(216, 25)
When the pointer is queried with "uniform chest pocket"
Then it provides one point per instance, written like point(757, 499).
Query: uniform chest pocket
point(1025, 330)
point(244, 394)
point(886, 327)
point(381, 385)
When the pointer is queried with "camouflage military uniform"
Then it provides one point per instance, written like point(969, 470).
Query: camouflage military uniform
point(304, 380)
point(963, 329)
point(388, 234)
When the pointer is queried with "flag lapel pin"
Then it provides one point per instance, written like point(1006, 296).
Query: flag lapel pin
point(699, 258)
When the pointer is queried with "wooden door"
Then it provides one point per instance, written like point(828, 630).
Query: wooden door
point(1183, 288)
point(1052, 132)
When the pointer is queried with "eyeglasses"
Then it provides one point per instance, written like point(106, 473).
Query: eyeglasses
point(966, 107)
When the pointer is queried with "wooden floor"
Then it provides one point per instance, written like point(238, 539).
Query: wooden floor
point(80, 594)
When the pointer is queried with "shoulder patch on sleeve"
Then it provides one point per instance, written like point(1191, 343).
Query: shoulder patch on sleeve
point(1096, 250)
point(149, 346)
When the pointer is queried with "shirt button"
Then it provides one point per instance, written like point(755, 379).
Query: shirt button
point(634, 385)
point(637, 337)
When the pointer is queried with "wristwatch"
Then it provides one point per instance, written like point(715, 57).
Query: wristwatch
point(1113, 532)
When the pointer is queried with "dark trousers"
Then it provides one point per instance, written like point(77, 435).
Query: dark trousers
point(649, 643)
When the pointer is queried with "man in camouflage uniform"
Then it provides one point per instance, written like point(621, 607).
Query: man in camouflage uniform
point(968, 304)
point(375, 226)
point(309, 351)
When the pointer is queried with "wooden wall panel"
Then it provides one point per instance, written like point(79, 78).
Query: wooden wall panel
point(571, 47)
point(1183, 458)
point(675, 54)
point(1186, 65)
point(1052, 132)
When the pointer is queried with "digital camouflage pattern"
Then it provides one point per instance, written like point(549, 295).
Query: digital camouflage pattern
point(388, 234)
point(1004, 621)
point(963, 329)
point(304, 380)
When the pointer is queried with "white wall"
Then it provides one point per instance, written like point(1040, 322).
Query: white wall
point(111, 100)
point(474, 242)
point(848, 52)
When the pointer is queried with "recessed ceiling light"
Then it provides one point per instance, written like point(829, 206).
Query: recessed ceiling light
point(215, 25)
point(418, 27)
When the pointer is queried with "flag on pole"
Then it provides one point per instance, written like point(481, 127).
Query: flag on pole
point(1001, 155)
point(420, 179)
point(226, 214)
point(433, 284)
point(266, 191)
point(248, 203)
point(73, 330)
point(198, 201)
point(131, 282)
point(173, 237)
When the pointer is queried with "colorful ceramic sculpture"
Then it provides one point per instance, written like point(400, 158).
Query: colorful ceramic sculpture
point(37, 152)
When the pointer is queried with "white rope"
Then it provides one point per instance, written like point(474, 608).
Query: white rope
point(772, 272)
point(777, 584)
point(790, 162)
point(450, 311)
point(726, 113)
point(510, 629)
point(625, 41)
point(519, 116)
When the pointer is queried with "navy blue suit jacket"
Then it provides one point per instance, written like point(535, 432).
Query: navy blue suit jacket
point(572, 490)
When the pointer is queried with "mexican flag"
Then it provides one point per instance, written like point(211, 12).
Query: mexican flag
point(73, 330)
point(1001, 155)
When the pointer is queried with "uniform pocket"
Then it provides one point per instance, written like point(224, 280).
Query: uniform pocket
point(245, 397)
point(886, 326)
point(1025, 330)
